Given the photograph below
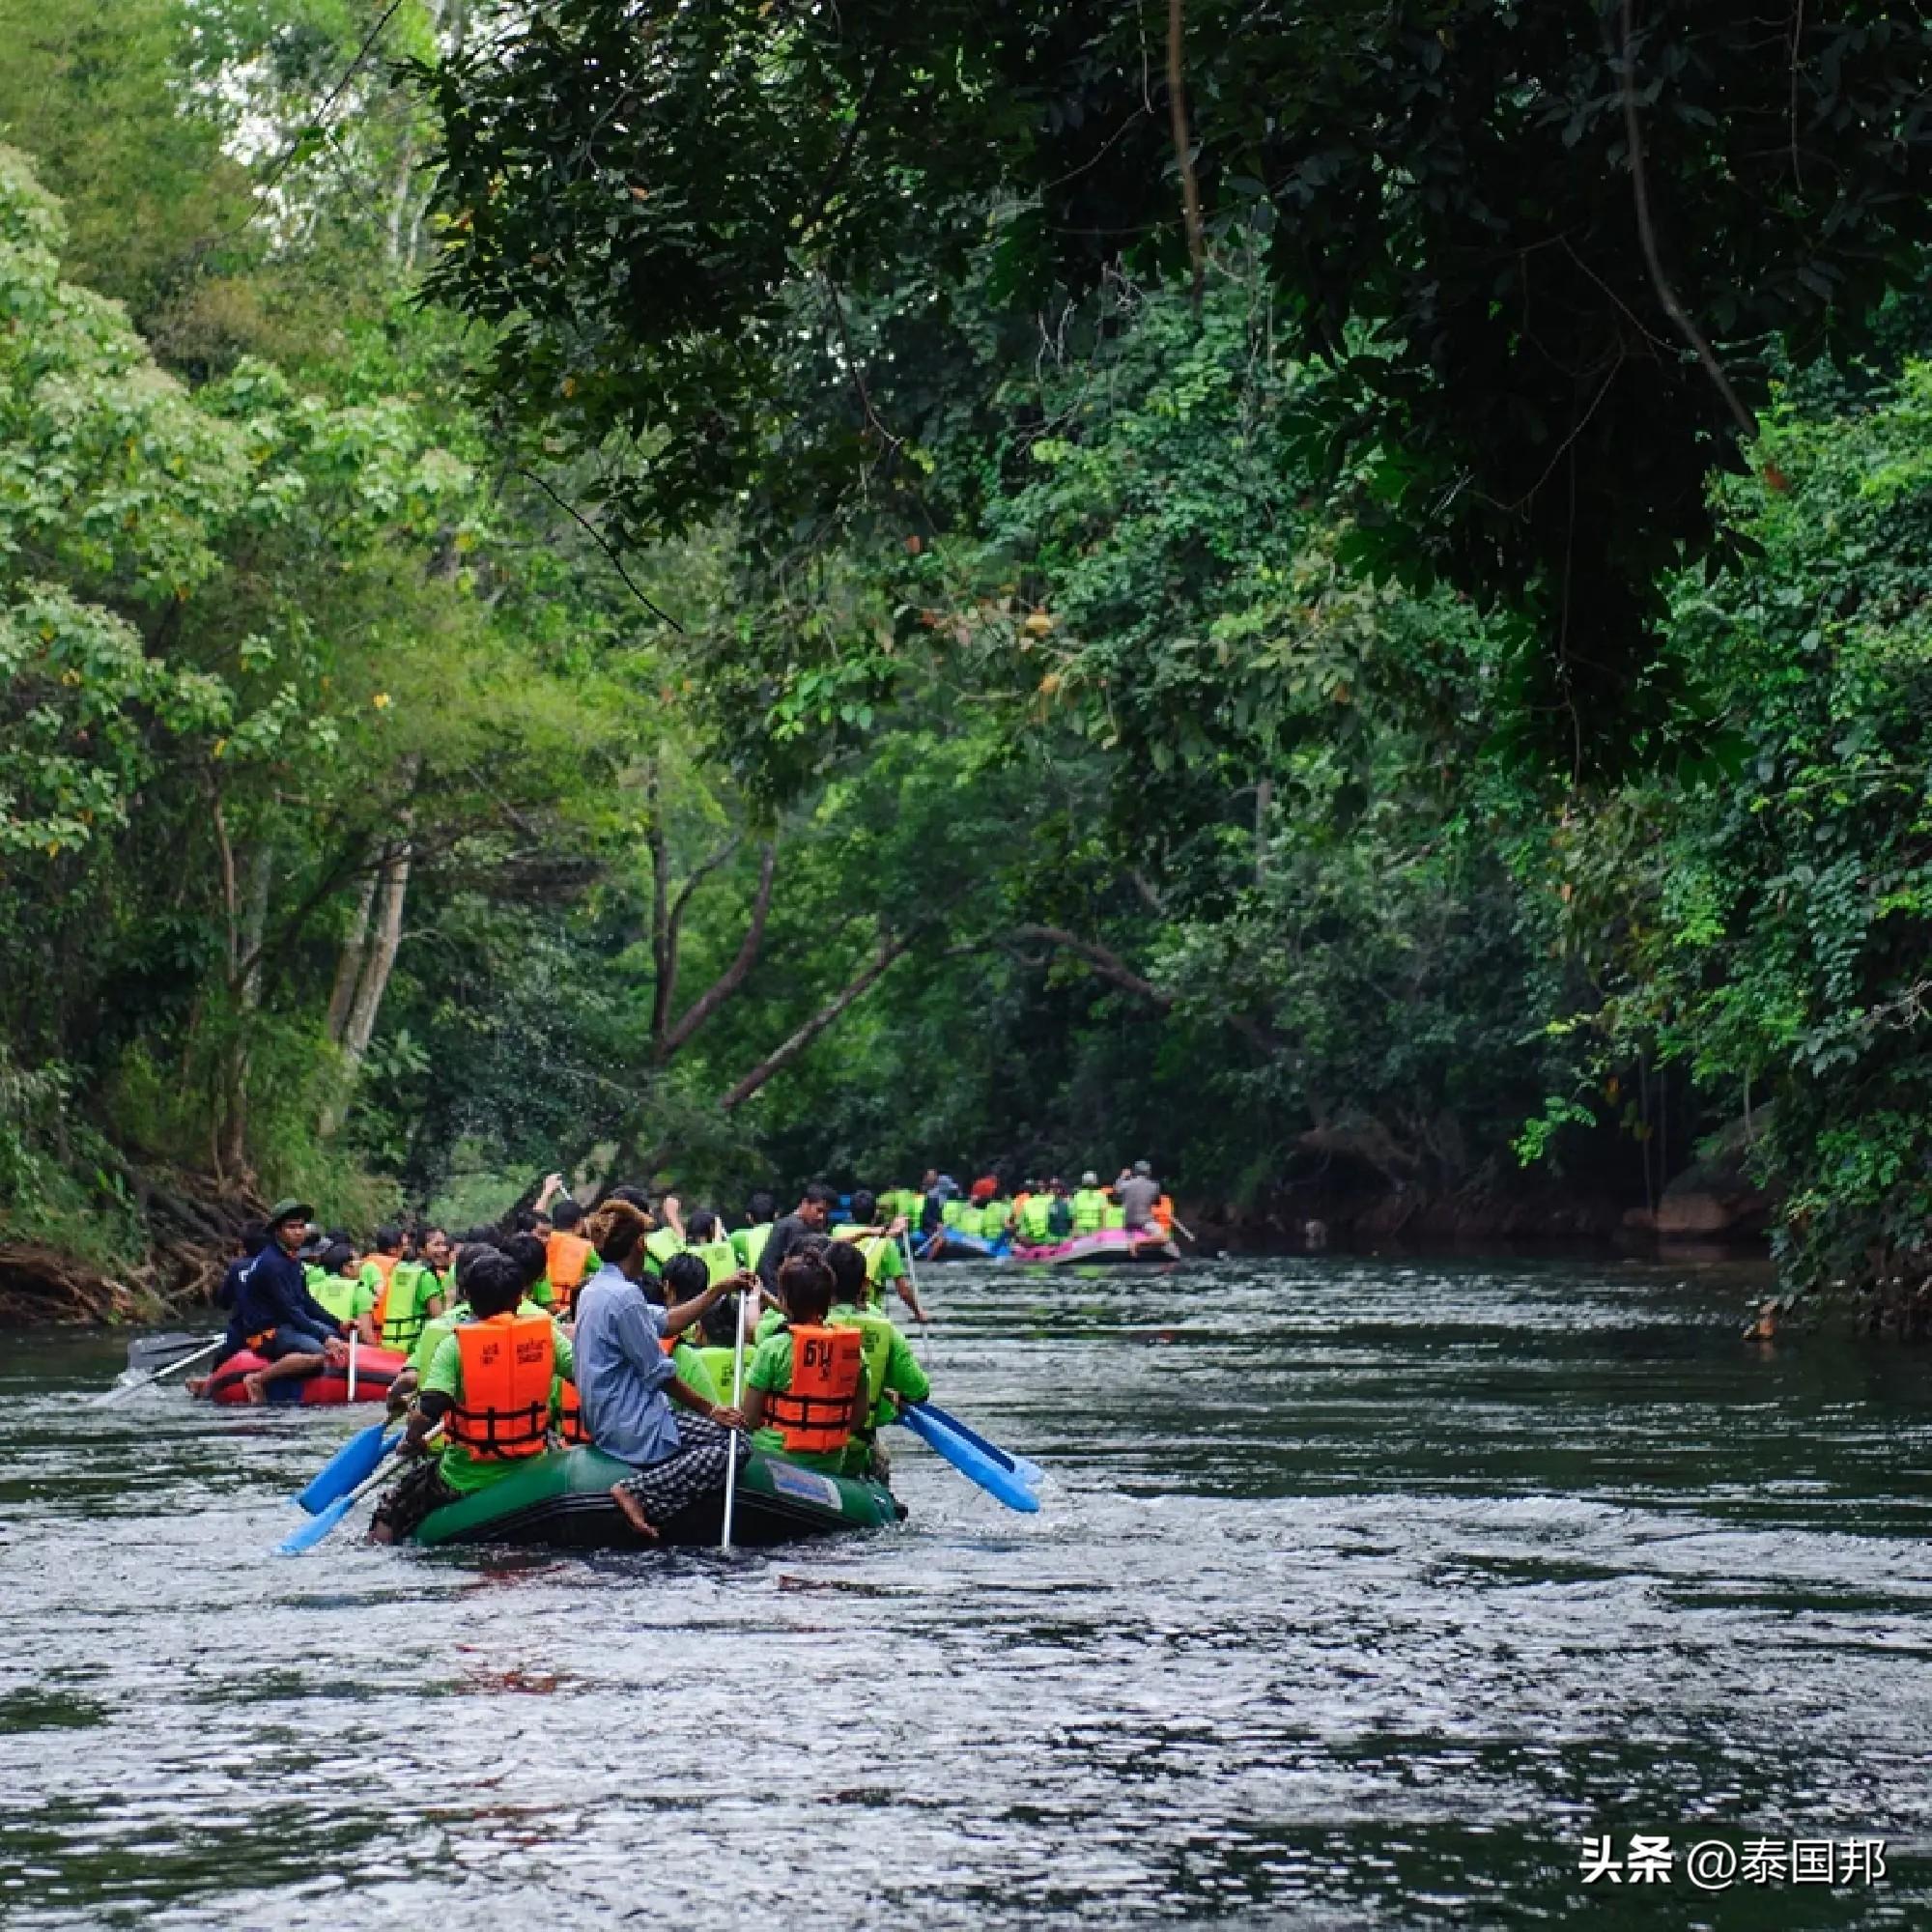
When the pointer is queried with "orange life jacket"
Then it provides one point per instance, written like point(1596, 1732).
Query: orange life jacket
point(565, 1259)
point(814, 1416)
point(508, 1363)
point(1163, 1212)
point(570, 1421)
point(385, 1266)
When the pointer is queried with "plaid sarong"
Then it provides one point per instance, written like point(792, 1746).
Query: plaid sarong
point(693, 1468)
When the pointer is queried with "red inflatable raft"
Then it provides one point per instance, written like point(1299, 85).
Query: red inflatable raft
point(375, 1369)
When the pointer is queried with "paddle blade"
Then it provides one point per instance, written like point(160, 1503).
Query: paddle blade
point(356, 1459)
point(996, 1476)
point(1029, 1473)
point(306, 1536)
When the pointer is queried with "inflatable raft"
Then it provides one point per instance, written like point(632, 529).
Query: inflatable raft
point(563, 1500)
point(949, 1244)
point(1109, 1245)
point(375, 1369)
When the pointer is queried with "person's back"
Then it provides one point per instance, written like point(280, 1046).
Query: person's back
point(1033, 1223)
point(1090, 1206)
point(568, 1257)
point(1059, 1212)
point(1138, 1194)
point(805, 1389)
point(615, 1329)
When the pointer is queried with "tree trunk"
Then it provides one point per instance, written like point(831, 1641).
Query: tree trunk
point(232, 1156)
point(348, 961)
point(734, 975)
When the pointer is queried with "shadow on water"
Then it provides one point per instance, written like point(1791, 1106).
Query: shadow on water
point(1364, 1592)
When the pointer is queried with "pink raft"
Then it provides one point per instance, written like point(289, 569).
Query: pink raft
point(375, 1369)
point(1109, 1245)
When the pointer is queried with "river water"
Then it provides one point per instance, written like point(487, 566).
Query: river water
point(1364, 1594)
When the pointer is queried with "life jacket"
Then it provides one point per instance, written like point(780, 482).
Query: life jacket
point(694, 1371)
point(403, 1329)
point(1089, 1211)
point(1163, 1214)
point(565, 1256)
point(1033, 1220)
point(510, 1363)
point(1113, 1215)
point(720, 1259)
point(875, 1342)
point(954, 1214)
point(816, 1416)
point(995, 1218)
point(335, 1291)
point(570, 1416)
point(750, 1243)
point(660, 1245)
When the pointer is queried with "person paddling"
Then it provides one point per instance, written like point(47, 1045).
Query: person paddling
point(275, 1315)
point(496, 1387)
point(627, 1384)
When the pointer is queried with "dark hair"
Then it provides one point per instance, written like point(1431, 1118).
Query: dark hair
point(827, 1196)
point(805, 1283)
point(335, 1255)
point(531, 1257)
point(716, 1321)
point(638, 1197)
point(387, 1236)
point(522, 1222)
point(864, 1205)
point(617, 1227)
point(702, 1226)
point(848, 1270)
point(465, 1256)
point(762, 1207)
point(684, 1277)
point(254, 1237)
point(481, 1237)
point(565, 1213)
point(494, 1283)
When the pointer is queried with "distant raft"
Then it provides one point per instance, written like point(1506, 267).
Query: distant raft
point(375, 1369)
point(950, 1244)
point(1110, 1245)
point(562, 1500)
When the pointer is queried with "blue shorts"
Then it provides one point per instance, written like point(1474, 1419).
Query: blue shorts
point(291, 1340)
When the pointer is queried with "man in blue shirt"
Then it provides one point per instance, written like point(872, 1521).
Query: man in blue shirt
point(626, 1383)
point(273, 1313)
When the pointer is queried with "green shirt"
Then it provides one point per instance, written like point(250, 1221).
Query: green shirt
point(412, 1286)
point(770, 1369)
point(889, 1362)
point(462, 1471)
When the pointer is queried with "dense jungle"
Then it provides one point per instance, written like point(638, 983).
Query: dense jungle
point(1340, 598)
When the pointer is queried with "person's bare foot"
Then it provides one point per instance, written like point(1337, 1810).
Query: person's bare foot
point(251, 1386)
point(197, 1386)
point(634, 1511)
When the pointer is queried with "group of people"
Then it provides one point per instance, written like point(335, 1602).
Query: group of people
point(1039, 1213)
point(628, 1327)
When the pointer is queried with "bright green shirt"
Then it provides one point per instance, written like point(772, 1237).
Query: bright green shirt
point(462, 1471)
point(889, 1362)
point(770, 1369)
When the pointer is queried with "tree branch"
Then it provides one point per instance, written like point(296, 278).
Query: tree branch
point(1104, 961)
point(853, 990)
point(597, 537)
point(1647, 234)
point(1183, 150)
point(734, 975)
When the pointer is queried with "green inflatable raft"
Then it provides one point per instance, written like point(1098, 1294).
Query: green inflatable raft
point(564, 1499)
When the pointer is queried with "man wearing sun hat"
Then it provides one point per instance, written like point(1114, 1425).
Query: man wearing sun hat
point(275, 1314)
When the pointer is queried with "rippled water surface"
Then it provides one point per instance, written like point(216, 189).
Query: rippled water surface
point(1363, 1592)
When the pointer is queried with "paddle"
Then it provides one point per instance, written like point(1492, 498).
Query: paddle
point(348, 1466)
point(1030, 1473)
point(737, 1396)
point(354, 1335)
point(994, 1473)
point(148, 1382)
point(1180, 1227)
point(306, 1536)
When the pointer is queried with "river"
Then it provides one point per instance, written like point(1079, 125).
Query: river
point(1365, 1593)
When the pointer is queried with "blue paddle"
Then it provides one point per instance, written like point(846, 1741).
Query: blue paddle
point(306, 1536)
point(994, 1473)
point(1030, 1473)
point(347, 1467)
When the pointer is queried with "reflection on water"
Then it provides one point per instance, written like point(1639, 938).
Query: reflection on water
point(1363, 1592)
